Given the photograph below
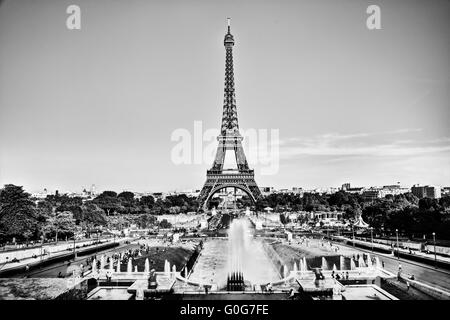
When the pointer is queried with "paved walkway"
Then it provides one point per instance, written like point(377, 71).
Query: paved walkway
point(32, 261)
point(388, 247)
point(423, 273)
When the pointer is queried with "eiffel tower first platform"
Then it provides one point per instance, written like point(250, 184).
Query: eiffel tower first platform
point(229, 139)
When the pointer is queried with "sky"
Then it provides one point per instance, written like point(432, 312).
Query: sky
point(100, 105)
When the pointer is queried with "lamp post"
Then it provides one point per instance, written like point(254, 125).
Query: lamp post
point(434, 243)
point(42, 246)
point(398, 253)
point(371, 236)
point(353, 233)
point(96, 245)
point(74, 252)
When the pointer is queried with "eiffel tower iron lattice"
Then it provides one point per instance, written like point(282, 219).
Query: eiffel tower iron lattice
point(229, 139)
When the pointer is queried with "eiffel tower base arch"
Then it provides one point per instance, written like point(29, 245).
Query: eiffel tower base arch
point(218, 181)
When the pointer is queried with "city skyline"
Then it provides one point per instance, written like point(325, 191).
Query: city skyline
point(98, 105)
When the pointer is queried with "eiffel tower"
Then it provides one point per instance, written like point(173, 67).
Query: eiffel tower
point(241, 177)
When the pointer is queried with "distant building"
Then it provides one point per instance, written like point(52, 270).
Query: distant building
point(266, 190)
point(326, 215)
point(345, 186)
point(41, 195)
point(158, 195)
point(190, 192)
point(331, 190)
point(445, 191)
point(372, 194)
point(394, 190)
point(431, 192)
point(358, 190)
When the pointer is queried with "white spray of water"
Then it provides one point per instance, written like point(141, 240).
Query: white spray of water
point(246, 255)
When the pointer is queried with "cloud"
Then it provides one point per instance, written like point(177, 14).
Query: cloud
point(375, 144)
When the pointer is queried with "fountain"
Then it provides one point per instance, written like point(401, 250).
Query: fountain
point(237, 243)
point(111, 264)
point(135, 269)
point(186, 273)
point(102, 262)
point(213, 211)
point(285, 271)
point(295, 269)
point(361, 263)
point(341, 263)
point(147, 266)
point(166, 267)
point(236, 263)
point(305, 265)
point(129, 266)
point(324, 264)
point(369, 261)
point(94, 266)
point(334, 267)
point(235, 282)
point(352, 264)
point(378, 263)
point(247, 211)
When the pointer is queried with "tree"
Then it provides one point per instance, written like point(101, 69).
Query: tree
point(60, 223)
point(284, 219)
point(145, 220)
point(126, 199)
point(108, 201)
point(214, 202)
point(147, 202)
point(91, 215)
point(18, 216)
point(164, 224)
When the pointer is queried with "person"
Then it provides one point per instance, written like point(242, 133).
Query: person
point(332, 274)
point(27, 268)
point(81, 270)
point(291, 294)
point(346, 275)
point(338, 277)
point(108, 276)
point(407, 285)
point(382, 264)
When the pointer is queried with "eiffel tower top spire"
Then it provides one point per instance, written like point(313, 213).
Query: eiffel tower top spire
point(230, 126)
